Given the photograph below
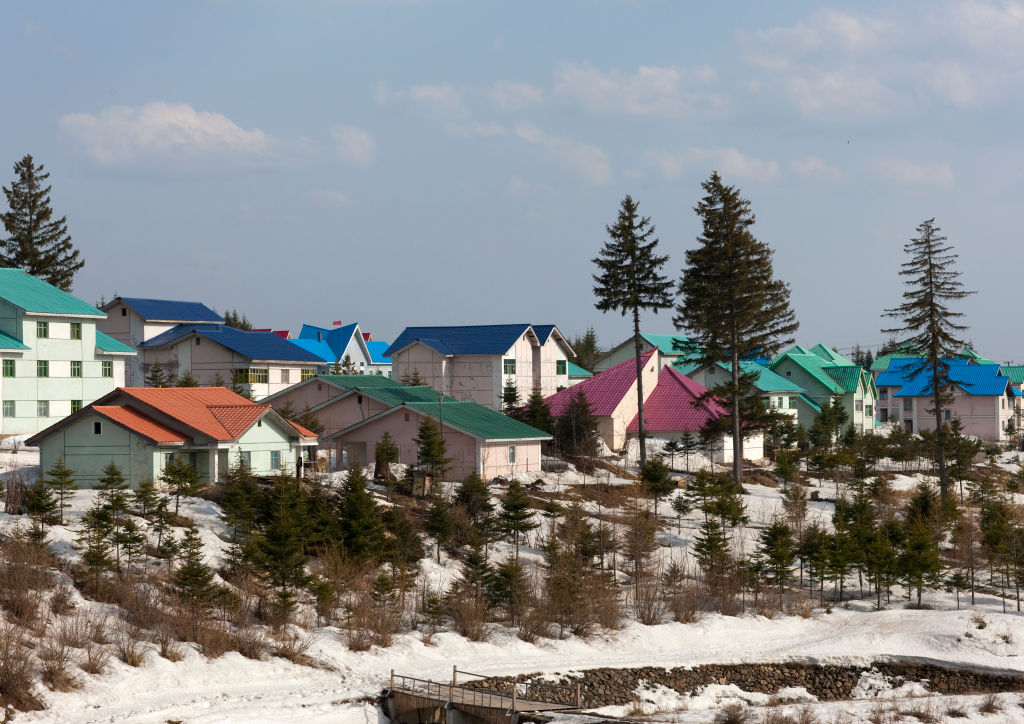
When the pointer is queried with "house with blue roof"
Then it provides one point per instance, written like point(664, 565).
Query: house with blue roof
point(474, 363)
point(983, 398)
point(55, 360)
point(337, 344)
point(133, 320)
point(669, 347)
point(260, 363)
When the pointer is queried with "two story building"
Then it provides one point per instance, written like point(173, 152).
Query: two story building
point(55, 360)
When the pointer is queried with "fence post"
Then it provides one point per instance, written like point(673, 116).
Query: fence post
point(392, 680)
point(455, 671)
point(579, 699)
point(514, 690)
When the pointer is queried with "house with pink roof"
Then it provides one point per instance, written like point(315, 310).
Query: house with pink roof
point(673, 405)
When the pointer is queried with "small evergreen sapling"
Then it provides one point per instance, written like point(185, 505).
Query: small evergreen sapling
point(61, 480)
point(516, 518)
point(440, 525)
point(182, 479)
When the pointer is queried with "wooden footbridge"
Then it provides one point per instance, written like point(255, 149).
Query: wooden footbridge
point(410, 700)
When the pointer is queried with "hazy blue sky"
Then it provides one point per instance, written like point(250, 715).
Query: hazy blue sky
point(399, 163)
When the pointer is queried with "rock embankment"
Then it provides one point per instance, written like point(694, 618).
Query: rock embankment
point(601, 687)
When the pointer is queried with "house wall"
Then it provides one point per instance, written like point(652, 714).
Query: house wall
point(25, 389)
point(753, 446)
point(551, 352)
point(361, 444)
point(342, 413)
point(860, 419)
point(129, 327)
point(427, 361)
point(494, 458)
point(88, 453)
point(789, 398)
point(621, 354)
point(612, 429)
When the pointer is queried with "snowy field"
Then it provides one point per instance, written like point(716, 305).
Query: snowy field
point(343, 684)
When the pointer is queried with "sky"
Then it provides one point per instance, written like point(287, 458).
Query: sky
point(456, 161)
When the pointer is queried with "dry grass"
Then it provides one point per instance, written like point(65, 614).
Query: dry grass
point(293, 645)
point(956, 711)
point(734, 713)
point(74, 631)
point(648, 603)
point(95, 659)
point(685, 603)
point(55, 662)
point(469, 615)
point(924, 712)
point(168, 646)
point(252, 643)
point(128, 640)
point(990, 705)
point(16, 669)
point(62, 601)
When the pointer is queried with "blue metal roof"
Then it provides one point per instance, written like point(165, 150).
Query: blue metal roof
point(321, 349)
point(336, 338)
point(543, 331)
point(169, 310)
point(377, 352)
point(252, 345)
point(476, 339)
point(915, 381)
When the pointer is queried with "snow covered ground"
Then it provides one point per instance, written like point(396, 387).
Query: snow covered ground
point(342, 686)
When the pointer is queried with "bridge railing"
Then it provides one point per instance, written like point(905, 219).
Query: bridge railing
point(499, 687)
point(540, 691)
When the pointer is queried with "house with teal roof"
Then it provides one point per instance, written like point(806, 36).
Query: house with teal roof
point(778, 393)
point(824, 373)
point(55, 361)
point(668, 346)
point(577, 374)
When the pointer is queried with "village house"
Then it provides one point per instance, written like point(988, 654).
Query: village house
point(577, 374)
point(55, 360)
point(333, 346)
point(474, 363)
point(134, 320)
point(143, 430)
point(777, 393)
point(824, 373)
point(983, 399)
point(260, 363)
point(666, 345)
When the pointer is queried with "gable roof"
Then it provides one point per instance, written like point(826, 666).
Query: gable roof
point(974, 379)
point(675, 404)
point(38, 297)
point(767, 380)
point(168, 310)
point(134, 420)
point(377, 350)
point(664, 342)
point(604, 390)
point(831, 370)
point(9, 342)
point(256, 346)
point(106, 343)
point(1015, 373)
point(576, 371)
point(328, 344)
point(471, 339)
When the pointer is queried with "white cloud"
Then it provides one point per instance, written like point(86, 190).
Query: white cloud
point(730, 162)
point(651, 91)
point(442, 99)
point(330, 197)
point(474, 129)
point(587, 162)
point(514, 96)
point(354, 145)
point(814, 168)
point(121, 134)
point(907, 173)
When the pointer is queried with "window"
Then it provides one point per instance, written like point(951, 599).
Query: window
point(782, 401)
point(1003, 400)
point(509, 366)
point(945, 414)
point(76, 330)
point(42, 368)
point(859, 405)
point(306, 374)
point(76, 405)
point(168, 459)
point(883, 394)
point(76, 368)
point(245, 457)
point(766, 401)
point(8, 408)
point(561, 367)
point(8, 368)
point(908, 404)
point(275, 459)
point(42, 330)
point(285, 376)
point(97, 428)
point(42, 408)
point(792, 403)
point(511, 454)
point(199, 340)
point(259, 376)
point(124, 311)
point(108, 368)
point(883, 415)
point(867, 410)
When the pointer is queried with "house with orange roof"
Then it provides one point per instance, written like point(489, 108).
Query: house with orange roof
point(144, 429)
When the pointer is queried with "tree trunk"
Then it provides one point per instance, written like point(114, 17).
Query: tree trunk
point(641, 432)
point(737, 438)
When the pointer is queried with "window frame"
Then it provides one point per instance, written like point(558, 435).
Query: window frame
point(76, 405)
point(76, 330)
point(561, 367)
point(42, 330)
point(107, 368)
point(42, 408)
point(511, 454)
point(508, 365)
point(275, 459)
point(245, 457)
point(10, 408)
point(42, 368)
point(76, 366)
point(307, 374)
point(9, 364)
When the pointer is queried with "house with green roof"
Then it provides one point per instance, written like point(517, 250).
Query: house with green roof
point(778, 393)
point(667, 346)
point(577, 374)
point(55, 361)
point(477, 439)
point(824, 373)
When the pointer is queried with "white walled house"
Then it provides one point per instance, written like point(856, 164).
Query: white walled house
point(261, 363)
point(664, 344)
point(473, 363)
point(333, 345)
point(54, 359)
point(134, 320)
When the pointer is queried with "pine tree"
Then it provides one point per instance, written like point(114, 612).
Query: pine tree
point(928, 323)
point(145, 498)
point(656, 478)
point(280, 558)
point(194, 581)
point(431, 448)
point(93, 544)
point(61, 480)
point(474, 497)
point(777, 547)
point(384, 454)
point(187, 380)
point(711, 548)
point(403, 547)
point(156, 377)
point(515, 517)
point(730, 303)
point(629, 280)
point(238, 321)
point(113, 507)
point(537, 413)
point(36, 242)
point(510, 396)
point(575, 432)
point(673, 448)
point(586, 349)
point(681, 507)
point(348, 367)
point(362, 531)
point(440, 526)
point(412, 379)
point(41, 507)
point(182, 479)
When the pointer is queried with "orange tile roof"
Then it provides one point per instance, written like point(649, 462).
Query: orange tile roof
point(236, 419)
point(137, 422)
point(194, 407)
point(302, 430)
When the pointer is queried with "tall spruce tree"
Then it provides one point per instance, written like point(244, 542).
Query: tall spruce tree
point(61, 480)
point(928, 322)
point(35, 241)
point(586, 349)
point(515, 517)
point(629, 280)
point(430, 447)
point(730, 303)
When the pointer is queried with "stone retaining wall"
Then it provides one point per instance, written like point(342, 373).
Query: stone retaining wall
point(601, 687)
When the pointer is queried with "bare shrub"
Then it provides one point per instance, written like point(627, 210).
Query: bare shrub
point(293, 645)
point(535, 621)
point(685, 603)
point(648, 604)
point(806, 715)
point(168, 645)
point(734, 713)
point(923, 712)
point(979, 621)
point(956, 711)
point(251, 643)
point(766, 606)
point(775, 716)
point(883, 714)
point(469, 615)
point(74, 631)
point(99, 630)
point(55, 661)
point(603, 595)
point(214, 639)
point(16, 669)
point(990, 705)
point(62, 602)
point(95, 659)
point(128, 640)
point(800, 605)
